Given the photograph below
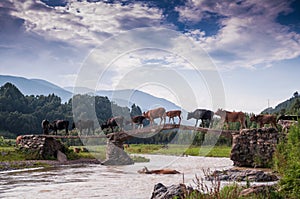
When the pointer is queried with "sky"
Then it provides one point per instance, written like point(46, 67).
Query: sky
point(238, 55)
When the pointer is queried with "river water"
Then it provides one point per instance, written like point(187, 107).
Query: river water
point(98, 181)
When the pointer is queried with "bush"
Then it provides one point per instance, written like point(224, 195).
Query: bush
point(287, 163)
point(4, 142)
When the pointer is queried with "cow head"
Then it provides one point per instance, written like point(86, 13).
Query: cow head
point(252, 118)
point(146, 114)
point(220, 112)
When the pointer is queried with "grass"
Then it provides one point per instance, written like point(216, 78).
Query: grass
point(172, 149)
point(11, 154)
point(98, 152)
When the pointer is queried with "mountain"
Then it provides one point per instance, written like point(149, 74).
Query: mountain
point(127, 97)
point(289, 106)
point(35, 86)
point(144, 100)
point(122, 97)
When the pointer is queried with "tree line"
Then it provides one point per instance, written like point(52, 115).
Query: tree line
point(20, 114)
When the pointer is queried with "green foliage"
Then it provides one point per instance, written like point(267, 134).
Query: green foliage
point(5, 142)
point(137, 158)
point(174, 149)
point(21, 114)
point(10, 154)
point(287, 163)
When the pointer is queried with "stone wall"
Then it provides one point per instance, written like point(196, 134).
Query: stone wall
point(254, 147)
point(40, 146)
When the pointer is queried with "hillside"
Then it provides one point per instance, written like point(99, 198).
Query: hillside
point(121, 97)
point(35, 87)
point(289, 106)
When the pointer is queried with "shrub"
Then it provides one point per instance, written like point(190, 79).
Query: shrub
point(287, 163)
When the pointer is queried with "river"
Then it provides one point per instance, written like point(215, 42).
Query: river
point(98, 181)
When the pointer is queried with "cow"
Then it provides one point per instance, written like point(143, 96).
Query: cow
point(228, 116)
point(18, 140)
point(264, 119)
point(113, 122)
point(201, 114)
point(158, 171)
point(172, 114)
point(59, 125)
point(138, 120)
point(288, 117)
point(45, 127)
point(84, 124)
point(286, 124)
point(156, 113)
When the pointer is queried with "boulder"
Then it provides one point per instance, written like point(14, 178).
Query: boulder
point(174, 191)
point(61, 157)
point(115, 154)
point(261, 190)
point(243, 175)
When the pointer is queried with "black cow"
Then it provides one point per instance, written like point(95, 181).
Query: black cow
point(201, 114)
point(59, 125)
point(138, 120)
point(113, 122)
point(45, 127)
point(288, 117)
point(84, 124)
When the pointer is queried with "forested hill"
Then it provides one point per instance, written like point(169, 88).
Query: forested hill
point(20, 114)
point(288, 107)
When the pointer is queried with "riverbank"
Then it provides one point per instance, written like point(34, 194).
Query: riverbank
point(22, 164)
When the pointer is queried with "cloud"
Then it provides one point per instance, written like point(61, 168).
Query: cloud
point(83, 22)
point(248, 36)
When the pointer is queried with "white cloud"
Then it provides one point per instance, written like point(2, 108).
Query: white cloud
point(248, 34)
point(82, 22)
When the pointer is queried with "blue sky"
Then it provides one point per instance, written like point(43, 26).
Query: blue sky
point(254, 45)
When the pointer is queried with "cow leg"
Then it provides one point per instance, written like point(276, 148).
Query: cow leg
point(243, 125)
point(227, 125)
point(196, 122)
point(169, 119)
point(179, 119)
point(274, 126)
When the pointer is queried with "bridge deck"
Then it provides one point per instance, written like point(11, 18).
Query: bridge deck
point(154, 129)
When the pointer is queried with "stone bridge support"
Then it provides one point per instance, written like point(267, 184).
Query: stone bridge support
point(254, 147)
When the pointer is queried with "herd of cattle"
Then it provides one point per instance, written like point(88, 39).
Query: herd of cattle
point(205, 117)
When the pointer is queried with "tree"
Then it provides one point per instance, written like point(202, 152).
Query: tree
point(135, 110)
point(296, 94)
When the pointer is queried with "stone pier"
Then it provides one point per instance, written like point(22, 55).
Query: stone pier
point(41, 147)
point(254, 147)
point(115, 154)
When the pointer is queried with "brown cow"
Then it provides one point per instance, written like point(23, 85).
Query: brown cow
point(156, 113)
point(18, 140)
point(158, 171)
point(228, 116)
point(172, 114)
point(264, 119)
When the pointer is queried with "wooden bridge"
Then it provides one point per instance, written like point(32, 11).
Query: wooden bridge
point(151, 130)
